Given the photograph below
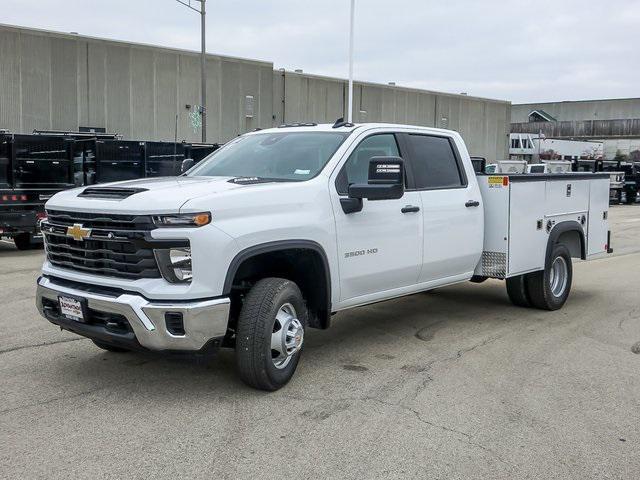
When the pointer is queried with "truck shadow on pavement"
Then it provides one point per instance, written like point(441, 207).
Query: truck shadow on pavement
point(448, 319)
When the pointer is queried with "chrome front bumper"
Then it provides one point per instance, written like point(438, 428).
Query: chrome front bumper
point(204, 320)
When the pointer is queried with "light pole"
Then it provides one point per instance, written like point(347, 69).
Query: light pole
point(203, 62)
point(351, 28)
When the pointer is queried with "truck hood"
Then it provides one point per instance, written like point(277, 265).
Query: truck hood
point(144, 196)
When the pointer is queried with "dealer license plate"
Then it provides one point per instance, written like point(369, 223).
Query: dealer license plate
point(71, 308)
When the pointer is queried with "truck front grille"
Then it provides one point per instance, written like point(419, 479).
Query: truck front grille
point(115, 245)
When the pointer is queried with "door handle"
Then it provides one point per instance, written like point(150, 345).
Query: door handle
point(410, 209)
point(472, 203)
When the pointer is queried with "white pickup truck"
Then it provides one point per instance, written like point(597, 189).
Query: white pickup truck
point(282, 228)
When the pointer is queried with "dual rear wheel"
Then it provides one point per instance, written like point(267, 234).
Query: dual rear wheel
point(546, 289)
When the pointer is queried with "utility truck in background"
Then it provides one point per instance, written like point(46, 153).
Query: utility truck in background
point(281, 228)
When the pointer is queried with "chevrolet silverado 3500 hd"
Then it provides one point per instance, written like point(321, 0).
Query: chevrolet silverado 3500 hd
point(281, 228)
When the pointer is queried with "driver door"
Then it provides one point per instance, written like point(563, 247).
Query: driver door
point(380, 247)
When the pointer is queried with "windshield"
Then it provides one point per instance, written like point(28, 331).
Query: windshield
point(286, 156)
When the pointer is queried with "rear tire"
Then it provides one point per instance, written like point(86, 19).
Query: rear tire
point(549, 289)
point(108, 347)
point(517, 291)
point(270, 333)
point(25, 241)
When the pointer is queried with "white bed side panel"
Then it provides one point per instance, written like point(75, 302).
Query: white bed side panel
point(598, 213)
point(527, 242)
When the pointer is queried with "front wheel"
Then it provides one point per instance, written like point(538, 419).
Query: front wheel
point(549, 289)
point(270, 333)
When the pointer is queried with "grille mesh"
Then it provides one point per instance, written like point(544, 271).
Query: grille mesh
point(116, 247)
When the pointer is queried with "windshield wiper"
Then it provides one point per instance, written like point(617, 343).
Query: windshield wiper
point(254, 180)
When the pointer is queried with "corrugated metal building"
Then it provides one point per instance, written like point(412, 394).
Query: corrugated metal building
point(616, 122)
point(59, 81)
point(615, 109)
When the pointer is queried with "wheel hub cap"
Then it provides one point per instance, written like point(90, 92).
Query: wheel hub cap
point(287, 337)
point(558, 276)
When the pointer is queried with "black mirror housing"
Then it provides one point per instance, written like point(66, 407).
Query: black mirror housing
point(187, 163)
point(386, 180)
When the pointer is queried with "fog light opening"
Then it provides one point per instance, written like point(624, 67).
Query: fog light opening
point(175, 323)
point(175, 264)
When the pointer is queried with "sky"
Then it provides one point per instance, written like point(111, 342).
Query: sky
point(515, 50)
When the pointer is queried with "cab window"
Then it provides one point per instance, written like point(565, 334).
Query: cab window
point(435, 164)
point(356, 168)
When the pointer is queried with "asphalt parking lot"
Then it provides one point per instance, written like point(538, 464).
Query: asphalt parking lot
point(455, 383)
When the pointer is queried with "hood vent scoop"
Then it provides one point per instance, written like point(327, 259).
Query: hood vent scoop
point(110, 193)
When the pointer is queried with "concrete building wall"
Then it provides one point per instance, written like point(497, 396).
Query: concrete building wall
point(483, 123)
point(54, 81)
point(580, 110)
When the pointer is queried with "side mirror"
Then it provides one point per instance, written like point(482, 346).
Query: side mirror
point(187, 163)
point(386, 180)
point(478, 164)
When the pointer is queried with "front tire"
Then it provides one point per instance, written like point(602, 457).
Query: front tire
point(549, 289)
point(270, 333)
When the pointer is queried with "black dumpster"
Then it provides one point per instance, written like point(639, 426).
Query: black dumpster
point(118, 160)
point(164, 159)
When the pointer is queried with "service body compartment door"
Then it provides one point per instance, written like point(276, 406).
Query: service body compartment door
point(566, 197)
point(597, 235)
point(527, 235)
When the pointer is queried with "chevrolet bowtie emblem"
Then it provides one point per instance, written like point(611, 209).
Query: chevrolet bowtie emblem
point(78, 233)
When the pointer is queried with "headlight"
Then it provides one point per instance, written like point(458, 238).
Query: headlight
point(175, 264)
point(183, 220)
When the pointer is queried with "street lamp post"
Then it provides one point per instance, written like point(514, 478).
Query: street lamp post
point(203, 62)
point(351, 28)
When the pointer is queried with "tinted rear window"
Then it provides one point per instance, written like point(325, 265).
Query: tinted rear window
point(434, 162)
